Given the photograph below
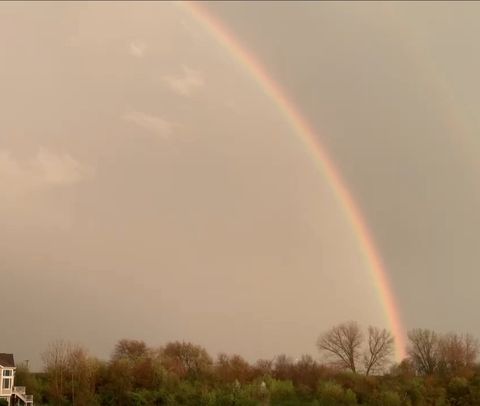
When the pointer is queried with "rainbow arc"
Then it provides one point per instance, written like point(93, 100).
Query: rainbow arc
point(305, 132)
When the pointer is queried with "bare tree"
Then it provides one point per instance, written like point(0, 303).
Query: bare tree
point(186, 359)
point(71, 373)
point(307, 372)
point(423, 350)
point(379, 351)
point(343, 344)
point(232, 368)
point(471, 348)
point(82, 370)
point(457, 353)
point(263, 367)
point(130, 349)
point(56, 362)
point(283, 367)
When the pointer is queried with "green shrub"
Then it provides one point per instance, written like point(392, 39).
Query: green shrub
point(390, 398)
point(333, 394)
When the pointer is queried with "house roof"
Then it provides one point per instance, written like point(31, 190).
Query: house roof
point(6, 360)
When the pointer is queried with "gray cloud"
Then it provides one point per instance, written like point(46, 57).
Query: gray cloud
point(137, 48)
point(185, 83)
point(46, 169)
point(155, 125)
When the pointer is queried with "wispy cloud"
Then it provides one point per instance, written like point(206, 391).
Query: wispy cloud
point(157, 125)
point(46, 169)
point(137, 48)
point(185, 83)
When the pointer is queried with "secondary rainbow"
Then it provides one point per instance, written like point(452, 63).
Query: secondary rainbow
point(306, 133)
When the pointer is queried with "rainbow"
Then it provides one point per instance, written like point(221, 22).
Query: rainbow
point(305, 132)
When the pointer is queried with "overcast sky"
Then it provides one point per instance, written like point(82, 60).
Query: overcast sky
point(149, 189)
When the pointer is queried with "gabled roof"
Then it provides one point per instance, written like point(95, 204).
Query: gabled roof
point(6, 360)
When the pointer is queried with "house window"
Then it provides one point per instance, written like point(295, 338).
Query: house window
point(7, 372)
point(6, 383)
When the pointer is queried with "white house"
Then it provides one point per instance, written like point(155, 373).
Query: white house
point(14, 395)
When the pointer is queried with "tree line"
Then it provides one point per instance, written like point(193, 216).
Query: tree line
point(428, 352)
point(354, 367)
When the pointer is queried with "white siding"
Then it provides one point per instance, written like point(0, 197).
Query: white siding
point(4, 378)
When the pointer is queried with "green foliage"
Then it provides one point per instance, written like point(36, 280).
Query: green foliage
point(332, 393)
point(280, 389)
point(458, 391)
point(414, 391)
point(389, 398)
